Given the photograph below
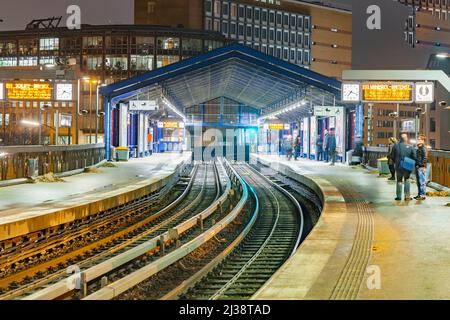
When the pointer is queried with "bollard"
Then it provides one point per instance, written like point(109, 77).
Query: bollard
point(200, 222)
point(162, 245)
point(83, 284)
point(104, 282)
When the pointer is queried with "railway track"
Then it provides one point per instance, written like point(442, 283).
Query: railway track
point(137, 234)
point(273, 238)
point(138, 250)
point(17, 260)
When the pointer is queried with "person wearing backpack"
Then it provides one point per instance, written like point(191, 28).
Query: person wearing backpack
point(404, 159)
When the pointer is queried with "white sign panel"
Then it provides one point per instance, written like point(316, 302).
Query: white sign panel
point(351, 92)
point(1, 91)
point(320, 111)
point(143, 105)
point(65, 120)
point(425, 92)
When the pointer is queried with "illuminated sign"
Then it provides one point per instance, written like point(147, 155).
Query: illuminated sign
point(170, 125)
point(29, 91)
point(425, 92)
point(276, 126)
point(1, 91)
point(394, 92)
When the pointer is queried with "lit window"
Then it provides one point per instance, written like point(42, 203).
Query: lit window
point(49, 44)
point(233, 11)
point(217, 8)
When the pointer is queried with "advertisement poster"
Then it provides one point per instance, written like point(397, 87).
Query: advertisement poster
point(305, 130)
point(313, 135)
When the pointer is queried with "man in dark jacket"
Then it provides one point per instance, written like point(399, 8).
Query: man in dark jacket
point(319, 148)
point(400, 151)
point(421, 167)
point(331, 144)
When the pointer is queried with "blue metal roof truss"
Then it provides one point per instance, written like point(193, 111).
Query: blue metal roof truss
point(235, 71)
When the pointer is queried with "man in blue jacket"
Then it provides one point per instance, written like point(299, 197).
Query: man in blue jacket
point(400, 151)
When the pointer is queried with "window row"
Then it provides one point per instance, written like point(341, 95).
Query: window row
point(293, 55)
point(115, 44)
point(256, 15)
point(249, 32)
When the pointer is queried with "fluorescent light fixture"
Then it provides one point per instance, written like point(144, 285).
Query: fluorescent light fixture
point(441, 55)
point(173, 108)
point(30, 123)
point(287, 109)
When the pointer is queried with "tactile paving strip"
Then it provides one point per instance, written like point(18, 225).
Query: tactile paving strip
point(352, 275)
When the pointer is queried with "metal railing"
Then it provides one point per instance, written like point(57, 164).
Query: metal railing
point(439, 160)
point(14, 160)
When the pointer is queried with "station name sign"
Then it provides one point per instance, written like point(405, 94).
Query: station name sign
point(29, 91)
point(388, 92)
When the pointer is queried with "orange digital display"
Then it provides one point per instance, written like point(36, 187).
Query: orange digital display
point(170, 125)
point(29, 91)
point(276, 126)
point(387, 92)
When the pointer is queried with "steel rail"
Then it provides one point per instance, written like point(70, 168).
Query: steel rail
point(187, 284)
point(296, 204)
point(115, 289)
point(61, 288)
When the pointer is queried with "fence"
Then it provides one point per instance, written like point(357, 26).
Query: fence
point(439, 159)
point(56, 159)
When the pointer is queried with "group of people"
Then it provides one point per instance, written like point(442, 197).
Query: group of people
point(403, 158)
point(326, 147)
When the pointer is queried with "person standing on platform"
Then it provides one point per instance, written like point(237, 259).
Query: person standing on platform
point(325, 146)
point(319, 148)
point(403, 153)
point(421, 167)
point(392, 143)
point(331, 145)
point(298, 145)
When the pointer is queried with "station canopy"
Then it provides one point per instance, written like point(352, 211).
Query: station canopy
point(236, 72)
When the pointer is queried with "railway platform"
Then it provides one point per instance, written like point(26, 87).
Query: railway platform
point(366, 245)
point(38, 205)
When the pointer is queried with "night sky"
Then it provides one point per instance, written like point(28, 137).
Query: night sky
point(371, 49)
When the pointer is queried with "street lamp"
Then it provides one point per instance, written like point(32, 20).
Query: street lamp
point(97, 114)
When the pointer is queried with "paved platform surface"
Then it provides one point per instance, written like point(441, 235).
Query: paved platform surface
point(16, 201)
point(366, 245)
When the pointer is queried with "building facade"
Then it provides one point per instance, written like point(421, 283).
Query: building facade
point(314, 36)
point(428, 25)
point(96, 55)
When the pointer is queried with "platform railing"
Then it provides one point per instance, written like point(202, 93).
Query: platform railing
point(14, 160)
point(439, 160)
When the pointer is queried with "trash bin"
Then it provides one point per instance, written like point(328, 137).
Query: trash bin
point(383, 166)
point(122, 154)
point(33, 168)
